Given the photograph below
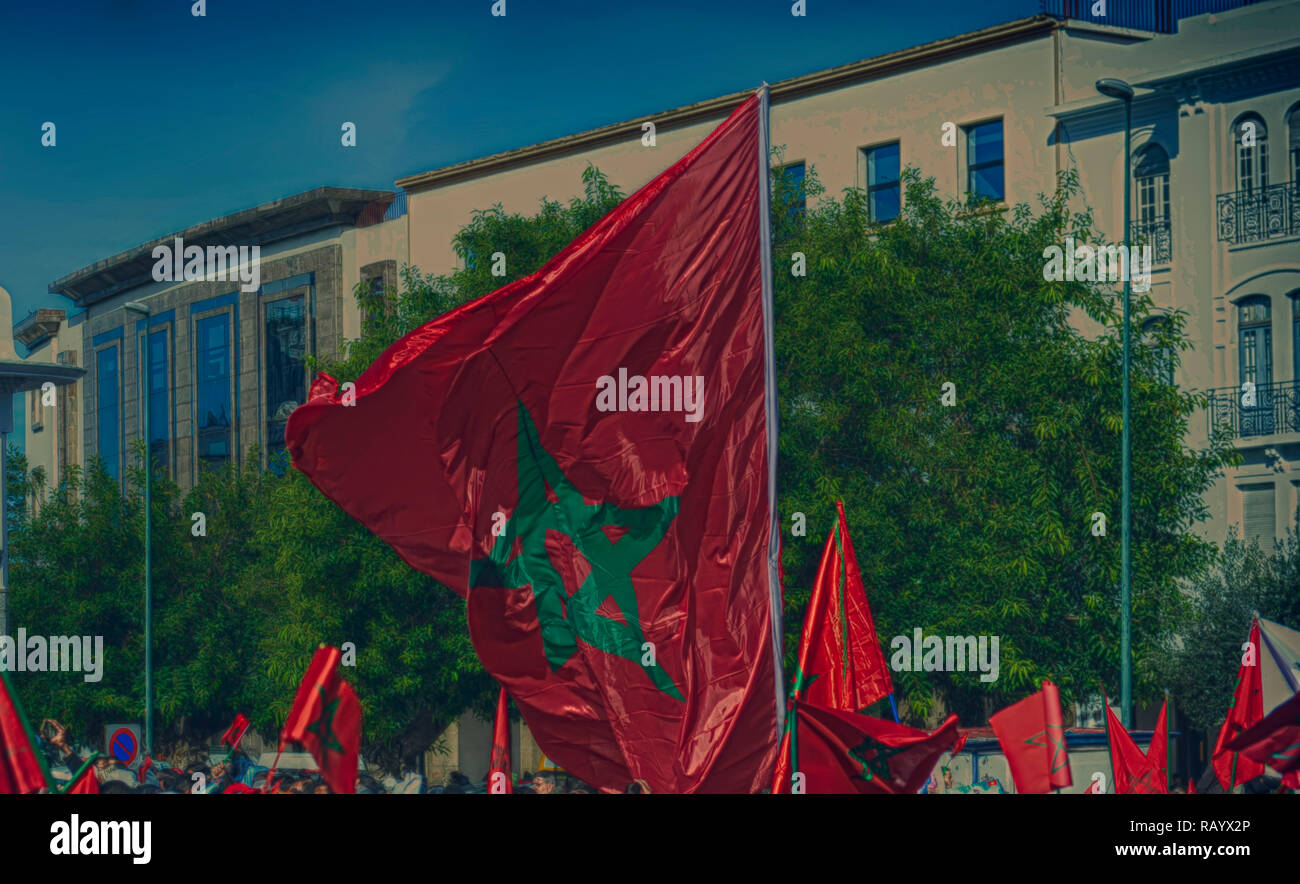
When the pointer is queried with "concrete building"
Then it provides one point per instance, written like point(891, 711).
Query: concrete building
point(224, 357)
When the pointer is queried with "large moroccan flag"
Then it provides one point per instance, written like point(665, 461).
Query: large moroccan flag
point(1032, 736)
point(22, 768)
point(499, 763)
point(326, 721)
point(1132, 771)
point(1274, 740)
point(843, 752)
point(840, 662)
point(1247, 709)
point(588, 455)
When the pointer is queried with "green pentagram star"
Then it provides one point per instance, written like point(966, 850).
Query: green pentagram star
point(323, 727)
point(564, 619)
point(1054, 741)
point(878, 764)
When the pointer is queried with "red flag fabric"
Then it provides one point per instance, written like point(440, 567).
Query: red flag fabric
point(1247, 709)
point(22, 769)
point(326, 721)
point(840, 662)
point(1191, 787)
point(843, 752)
point(236, 731)
point(586, 455)
point(1132, 771)
point(1032, 737)
point(499, 764)
point(85, 784)
point(1274, 740)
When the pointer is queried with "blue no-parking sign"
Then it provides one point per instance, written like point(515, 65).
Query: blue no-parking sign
point(122, 742)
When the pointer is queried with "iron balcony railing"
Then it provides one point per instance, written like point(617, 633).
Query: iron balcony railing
point(1276, 410)
point(1156, 234)
point(1259, 214)
point(1146, 15)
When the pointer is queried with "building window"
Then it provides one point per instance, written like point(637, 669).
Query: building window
point(1255, 363)
point(213, 383)
point(884, 193)
point(1258, 516)
point(984, 171)
point(37, 420)
point(1251, 138)
point(108, 426)
point(1151, 176)
point(286, 372)
point(155, 365)
point(1164, 355)
point(375, 313)
point(792, 187)
point(1293, 144)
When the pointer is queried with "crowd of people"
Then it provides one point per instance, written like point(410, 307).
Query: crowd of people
point(237, 773)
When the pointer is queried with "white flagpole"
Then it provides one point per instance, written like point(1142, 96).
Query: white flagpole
point(769, 374)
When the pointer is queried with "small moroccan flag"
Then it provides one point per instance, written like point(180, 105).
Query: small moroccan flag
point(326, 721)
point(1246, 710)
point(22, 768)
point(84, 781)
point(236, 731)
point(1133, 772)
point(499, 764)
point(846, 753)
point(1275, 740)
point(1032, 736)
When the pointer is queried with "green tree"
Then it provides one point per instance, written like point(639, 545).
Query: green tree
point(976, 518)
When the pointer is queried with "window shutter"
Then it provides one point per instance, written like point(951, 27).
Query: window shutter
point(1258, 515)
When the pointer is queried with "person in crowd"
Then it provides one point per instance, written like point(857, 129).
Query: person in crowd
point(543, 783)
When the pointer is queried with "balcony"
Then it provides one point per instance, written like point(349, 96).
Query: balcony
point(1156, 234)
point(1276, 410)
point(1261, 214)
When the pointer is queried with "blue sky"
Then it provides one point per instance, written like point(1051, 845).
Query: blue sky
point(165, 120)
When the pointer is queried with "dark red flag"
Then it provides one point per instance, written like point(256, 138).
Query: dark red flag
point(1274, 740)
point(22, 768)
point(1132, 771)
point(236, 731)
point(1246, 710)
point(1032, 737)
point(499, 764)
point(588, 455)
point(85, 782)
point(843, 752)
point(326, 721)
point(840, 662)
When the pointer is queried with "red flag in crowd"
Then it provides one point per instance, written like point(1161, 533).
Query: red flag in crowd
point(86, 781)
point(22, 768)
point(499, 764)
point(1247, 709)
point(1274, 740)
point(236, 731)
point(588, 454)
point(1132, 771)
point(326, 720)
point(1032, 737)
point(842, 752)
point(840, 662)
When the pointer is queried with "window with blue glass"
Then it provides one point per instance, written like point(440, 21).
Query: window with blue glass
point(884, 193)
point(107, 422)
point(984, 170)
point(1255, 364)
point(159, 385)
point(286, 373)
point(213, 394)
point(792, 178)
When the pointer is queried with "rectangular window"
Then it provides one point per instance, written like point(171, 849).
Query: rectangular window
point(108, 427)
point(213, 394)
point(1258, 516)
point(984, 161)
point(793, 187)
point(37, 419)
point(884, 196)
point(377, 289)
point(286, 373)
point(155, 365)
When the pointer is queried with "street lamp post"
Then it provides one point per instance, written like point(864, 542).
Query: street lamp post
point(143, 309)
point(1113, 88)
